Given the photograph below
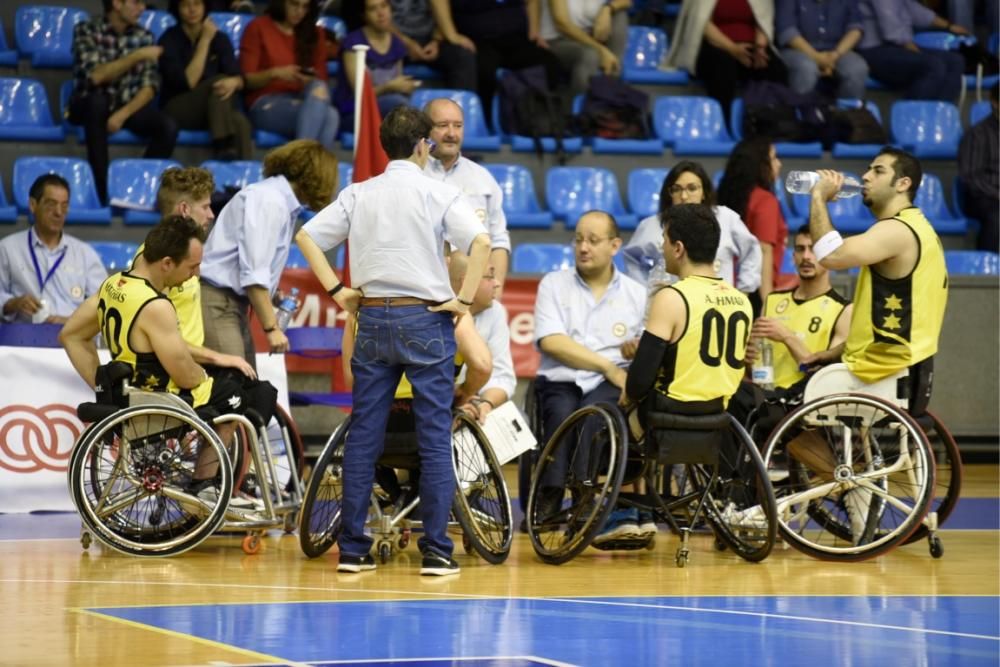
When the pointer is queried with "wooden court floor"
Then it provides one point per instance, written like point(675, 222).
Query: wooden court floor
point(66, 606)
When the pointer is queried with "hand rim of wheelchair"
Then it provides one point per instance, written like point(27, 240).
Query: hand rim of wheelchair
point(883, 541)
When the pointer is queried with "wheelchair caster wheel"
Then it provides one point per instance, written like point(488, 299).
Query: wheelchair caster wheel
point(467, 545)
point(682, 557)
point(252, 544)
point(403, 540)
point(384, 552)
point(85, 541)
point(291, 522)
point(936, 548)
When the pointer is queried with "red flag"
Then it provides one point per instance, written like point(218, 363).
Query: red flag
point(369, 158)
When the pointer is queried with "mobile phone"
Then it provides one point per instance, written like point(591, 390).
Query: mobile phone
point(308, 71)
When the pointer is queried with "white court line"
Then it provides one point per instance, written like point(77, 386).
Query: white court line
point(543, 661)
point(790, 617)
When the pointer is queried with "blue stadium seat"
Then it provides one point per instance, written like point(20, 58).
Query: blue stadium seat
point(237, 174)
point(978, 111)
point(132, 186)
point(644, 187)
point(8, 56)
point(126, 137)
point(8, 212)
point(787, 259)
point(644, 51)
point(572, 191)
point(972, 262)
point(423, 72)
point(993, 45)
point(345, 175)
point(84, 205)
point(233, 25)
point(265, 139)
point(541, 257)
point(157, 21)
point(115, 255)
point(849, 215)
point(863, 151)
point(792, 219)
point(477, 135)
point(692, 125)
point(45, 34)
point(24, 112)
point(925, 128)
point(930, 200)
point(296, 260)
point(946, 41)
point(520, 203)
point(813, 149)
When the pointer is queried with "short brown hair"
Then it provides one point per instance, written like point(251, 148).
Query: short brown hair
point(310, 169)
point(171, 237)
point(178, 184)
point(401, 129)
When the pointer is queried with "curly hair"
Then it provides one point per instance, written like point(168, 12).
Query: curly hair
point(681, 168)
point(178, 184)
point(310, 169)
point(306, 32)
point(749, 166)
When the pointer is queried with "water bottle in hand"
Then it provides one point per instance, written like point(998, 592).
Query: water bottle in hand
point(801, 182)
point(287, 309)
point(762, 372)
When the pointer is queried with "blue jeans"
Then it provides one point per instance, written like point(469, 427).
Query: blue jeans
point(389, 342)
point(309, 112)
point(928, 75)
point(803, 73)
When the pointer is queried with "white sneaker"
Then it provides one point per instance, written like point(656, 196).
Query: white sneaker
point(751, 517)
point(857, 502)
point(210, 494)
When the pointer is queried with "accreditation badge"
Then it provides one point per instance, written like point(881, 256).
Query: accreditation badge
point(481, 213)
point(76, 292)
point(619, 329)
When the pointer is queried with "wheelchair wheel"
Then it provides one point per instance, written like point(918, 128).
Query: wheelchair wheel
point(586, 458)
point(130, 475)
point(859, 478)
point(319, 520)
point(947, 471)
point(482, 504)
point(740, 505)
point(288, 454)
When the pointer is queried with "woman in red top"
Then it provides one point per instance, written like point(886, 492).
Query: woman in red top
point(283, 58)
point(747, 188)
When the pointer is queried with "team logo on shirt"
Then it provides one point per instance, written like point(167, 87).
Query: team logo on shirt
point(782, 306)
point(481, 212)
point(76, 292)
point(619, 329)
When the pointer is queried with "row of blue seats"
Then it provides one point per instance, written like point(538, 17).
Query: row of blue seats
point(687, 124)
point(117, 255)
point(569, 192)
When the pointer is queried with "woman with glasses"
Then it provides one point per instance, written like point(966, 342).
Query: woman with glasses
point(738, 260)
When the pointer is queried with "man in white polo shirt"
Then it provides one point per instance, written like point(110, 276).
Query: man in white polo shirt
point(397, 224)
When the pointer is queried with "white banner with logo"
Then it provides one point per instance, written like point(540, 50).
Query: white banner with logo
point(38, 425)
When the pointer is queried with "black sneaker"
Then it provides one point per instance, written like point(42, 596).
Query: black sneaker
point(438, 565)
point(355, 563)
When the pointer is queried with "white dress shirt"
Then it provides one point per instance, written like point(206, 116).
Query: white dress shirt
point(481, 191)
point(492, 326)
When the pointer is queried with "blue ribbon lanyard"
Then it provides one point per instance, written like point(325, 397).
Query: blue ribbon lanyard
point(38, 270)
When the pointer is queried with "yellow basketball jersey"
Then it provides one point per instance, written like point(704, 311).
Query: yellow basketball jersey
point(707, 362)
point(896, 323)
point(186, 298)
point(812, 320)
point(122, 298)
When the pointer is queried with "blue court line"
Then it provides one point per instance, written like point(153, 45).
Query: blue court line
point(946, 630)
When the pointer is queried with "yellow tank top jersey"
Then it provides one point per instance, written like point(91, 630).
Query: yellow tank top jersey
point(122, 298)
point(813, 321)
point(706, 363)
point(896, 323)
point(186, 298)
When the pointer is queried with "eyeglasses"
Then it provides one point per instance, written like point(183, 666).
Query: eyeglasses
point(690, 188)
point(591, 241)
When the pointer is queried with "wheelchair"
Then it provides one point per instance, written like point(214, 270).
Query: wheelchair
point(481, 508)
point(577, 479)
point(130, 471)
point(855, 475)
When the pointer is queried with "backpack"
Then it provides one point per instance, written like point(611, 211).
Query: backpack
point(776, 111)
point(528, 107)
point(614, 110)
point(857, 126)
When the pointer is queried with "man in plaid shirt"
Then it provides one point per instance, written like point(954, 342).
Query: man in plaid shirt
point(116, 79)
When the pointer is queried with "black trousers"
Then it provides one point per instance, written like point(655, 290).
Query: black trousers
point(723, 76)
point(201, 109)
point(515, 52)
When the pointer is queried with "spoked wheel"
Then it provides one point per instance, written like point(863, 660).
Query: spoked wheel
point(947, 476)
point(859, 476)
point(131, 475)
point(576, 482)
point(482, 504)
point(319, 520)
point(288, 456)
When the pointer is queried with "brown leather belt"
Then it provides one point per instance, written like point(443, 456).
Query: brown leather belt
point(392, 301)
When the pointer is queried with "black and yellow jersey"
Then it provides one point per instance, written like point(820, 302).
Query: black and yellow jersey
point(706, 362)
point(812, 320)
point(186, 298)
point(121, 298)
point(897, 322)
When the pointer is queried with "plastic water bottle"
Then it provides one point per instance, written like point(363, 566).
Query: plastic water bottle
point(42, 313)
point(659, 278)
point(801, 182)
point(762, 373)
point(287, 308)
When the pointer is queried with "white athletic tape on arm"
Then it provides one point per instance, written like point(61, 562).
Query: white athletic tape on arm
point(826, 245)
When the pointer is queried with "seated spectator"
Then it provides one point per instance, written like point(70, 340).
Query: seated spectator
point(201, 79)
point(115, 80)
point(46, 274)
point(414, 24)
point(283, 59)
point(978, 165)
point(818, 40)
point(587, 36)
point(738, 258)
point(893, 58)
point(963, 13)
point(370, 22)
point(747, 188)
point(727, 43)
point(503, 34)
